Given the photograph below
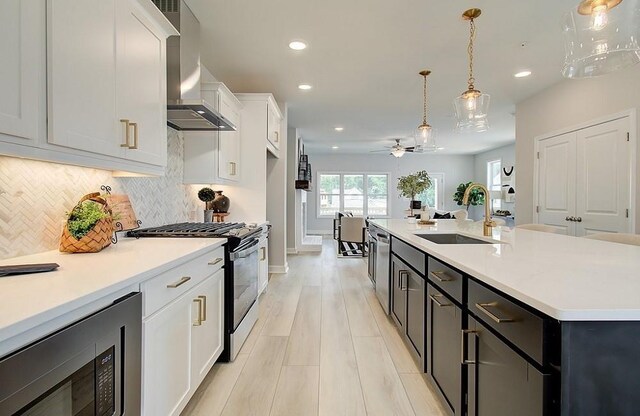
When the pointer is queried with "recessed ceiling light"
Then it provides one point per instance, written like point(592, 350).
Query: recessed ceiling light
point(522, 74)
point(297, 45)
point(335, 147)
point(339, 128)
point(304, 87)
point(439, 148)
point(200, 112)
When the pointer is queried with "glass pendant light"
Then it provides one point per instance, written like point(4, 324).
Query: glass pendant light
point(601, 36)
point(472, 105)
point(425, 134)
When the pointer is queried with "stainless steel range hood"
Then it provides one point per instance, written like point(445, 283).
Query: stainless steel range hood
point(186, 110)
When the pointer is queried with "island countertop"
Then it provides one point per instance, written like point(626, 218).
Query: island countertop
point(567, 278)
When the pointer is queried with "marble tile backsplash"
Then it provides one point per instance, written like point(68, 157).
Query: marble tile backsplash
point(34, 197)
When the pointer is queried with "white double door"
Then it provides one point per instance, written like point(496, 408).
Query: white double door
point(584, 179)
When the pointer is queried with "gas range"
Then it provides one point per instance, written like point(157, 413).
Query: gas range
point(238, 233)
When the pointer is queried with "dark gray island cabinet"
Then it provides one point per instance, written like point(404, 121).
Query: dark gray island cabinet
point(489, 354)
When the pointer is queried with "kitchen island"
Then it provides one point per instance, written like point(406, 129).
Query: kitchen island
point(522, 322)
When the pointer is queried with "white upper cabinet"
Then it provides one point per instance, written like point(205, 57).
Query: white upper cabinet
point(141, 84)
point(274, 121)
point(71, 71)
point(22, 83)
point(212, 156)
point(262, 121)
point(82, 75)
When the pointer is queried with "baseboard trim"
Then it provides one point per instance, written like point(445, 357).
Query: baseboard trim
point(279, 269)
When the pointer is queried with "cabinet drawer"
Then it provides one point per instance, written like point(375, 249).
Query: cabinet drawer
point(446, 278)
point(412, 256)
point(516, 324)
point(167, 286)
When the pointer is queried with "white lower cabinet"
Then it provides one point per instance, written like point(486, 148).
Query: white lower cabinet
point(207, 333)
point(166, 358)
point(182, 339)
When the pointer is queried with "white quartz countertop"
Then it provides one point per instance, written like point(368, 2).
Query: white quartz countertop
point(567, 278)
point(33, 299)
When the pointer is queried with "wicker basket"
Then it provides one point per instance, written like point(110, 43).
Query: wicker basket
point(96, 239)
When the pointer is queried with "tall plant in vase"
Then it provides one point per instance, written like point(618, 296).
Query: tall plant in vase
point(412, 185)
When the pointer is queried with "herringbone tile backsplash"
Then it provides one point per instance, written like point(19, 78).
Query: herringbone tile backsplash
point(34, 197)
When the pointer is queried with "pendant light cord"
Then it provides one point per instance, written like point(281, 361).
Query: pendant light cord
point(472, 36)
point(424, 114)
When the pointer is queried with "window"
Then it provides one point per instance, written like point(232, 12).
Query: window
point(359, 193)
point(433, 197)
point(494, 182)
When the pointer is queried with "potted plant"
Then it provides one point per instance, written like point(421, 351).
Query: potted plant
point(476, 197)
point(89, 226)
point(207, 195)
point(412, 185)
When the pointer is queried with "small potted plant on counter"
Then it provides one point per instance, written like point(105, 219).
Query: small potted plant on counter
point(476, 197)
point(412, 185)
point(207, 195)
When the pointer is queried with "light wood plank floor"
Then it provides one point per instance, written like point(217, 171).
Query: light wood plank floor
point(322, 346)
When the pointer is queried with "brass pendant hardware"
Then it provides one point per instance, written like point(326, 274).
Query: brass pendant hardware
point(471, 15)
point(424, 73)
point(586, 7)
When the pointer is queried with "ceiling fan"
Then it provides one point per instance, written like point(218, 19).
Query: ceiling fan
point(397, 149)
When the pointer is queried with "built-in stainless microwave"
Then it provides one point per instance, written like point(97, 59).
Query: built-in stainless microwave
point(91, 367)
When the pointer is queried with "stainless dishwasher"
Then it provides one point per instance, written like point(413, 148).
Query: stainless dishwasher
point(382, 269)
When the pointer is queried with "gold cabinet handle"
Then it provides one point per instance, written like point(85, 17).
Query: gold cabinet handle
point(463, 361)
point(441, 276)
point(180, 282)
point(199, 320)
point(232, 168)
point(126, 132)
point(263, 253)
point(404, 278)
point(203, 304)
point(483, 307)
point(135, 135)
point(435, 300)
point(216, 261)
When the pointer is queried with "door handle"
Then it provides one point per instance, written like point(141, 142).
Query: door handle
point(464, 361)
point(198, 321)
point(483, 307)
point(263, 253)
point(277, 136)
point(135, 135)
point(435, 300)
point(204, 307)
point(126, 132)
point(232, 168)
point(403, 274)
point(180, 282)
point(441, 276)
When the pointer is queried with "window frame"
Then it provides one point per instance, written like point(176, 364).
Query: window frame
point(438, 178)
point(497, 202)
point(365, 193)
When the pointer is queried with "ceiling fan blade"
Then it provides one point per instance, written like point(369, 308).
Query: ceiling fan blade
point(378, 151)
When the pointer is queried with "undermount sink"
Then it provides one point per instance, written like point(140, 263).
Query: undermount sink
point(452, 239)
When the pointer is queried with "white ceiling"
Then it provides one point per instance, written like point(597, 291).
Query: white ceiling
point(364, 57)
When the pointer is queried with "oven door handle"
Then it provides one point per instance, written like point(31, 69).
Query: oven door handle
point(251, 248)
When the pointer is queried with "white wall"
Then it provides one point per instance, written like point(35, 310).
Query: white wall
point(566, 104)
point(457, 169)
point(508, 156)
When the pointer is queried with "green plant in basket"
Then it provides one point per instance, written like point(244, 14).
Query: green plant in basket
point(84, 217)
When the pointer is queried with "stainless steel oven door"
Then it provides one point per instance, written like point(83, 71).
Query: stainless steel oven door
point(92, 367)
point(245, 280)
